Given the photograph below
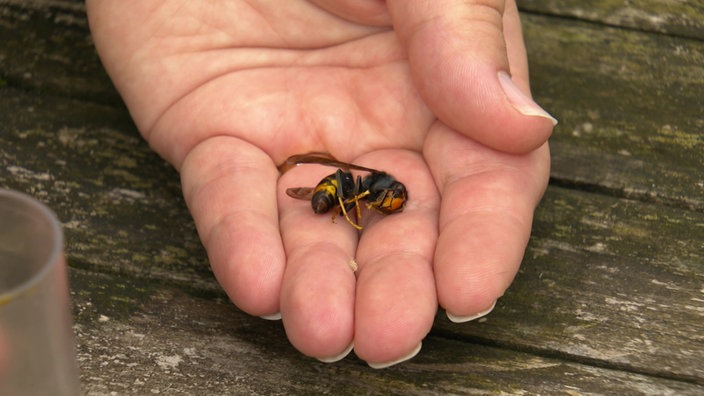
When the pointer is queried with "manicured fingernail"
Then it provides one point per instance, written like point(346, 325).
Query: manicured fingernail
point(274, 316)
point(520, 101)
point(463, 319)
point(413, 353)
point(338, 357)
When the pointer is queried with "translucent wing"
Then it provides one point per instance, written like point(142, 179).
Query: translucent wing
point(304, 193)
point(321, 159)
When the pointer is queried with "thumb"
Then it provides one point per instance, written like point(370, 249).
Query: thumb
point(462, 54)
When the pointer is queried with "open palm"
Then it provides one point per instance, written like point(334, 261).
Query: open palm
point(226, 91)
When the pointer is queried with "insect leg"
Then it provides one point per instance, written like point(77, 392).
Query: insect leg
point(357, 189)
point(341, 198)
point(344, 212)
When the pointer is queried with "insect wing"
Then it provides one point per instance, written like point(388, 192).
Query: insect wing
point(321, 159)
point(304, 193)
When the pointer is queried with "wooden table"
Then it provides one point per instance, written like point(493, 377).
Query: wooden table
point(610, 297)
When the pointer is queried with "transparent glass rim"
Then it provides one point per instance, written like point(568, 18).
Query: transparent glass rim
point(55, 252)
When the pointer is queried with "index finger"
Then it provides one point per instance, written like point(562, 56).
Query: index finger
point(230, 188)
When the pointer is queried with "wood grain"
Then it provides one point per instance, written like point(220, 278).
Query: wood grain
point(610, 297)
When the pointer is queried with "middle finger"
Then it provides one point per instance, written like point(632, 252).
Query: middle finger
point(318, 290)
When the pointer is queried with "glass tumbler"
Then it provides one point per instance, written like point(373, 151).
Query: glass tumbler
point(37, 350)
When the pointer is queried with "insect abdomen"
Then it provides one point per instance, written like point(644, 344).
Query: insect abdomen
point(324, 195)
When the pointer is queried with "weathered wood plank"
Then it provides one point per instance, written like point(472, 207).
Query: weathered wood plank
point(676, 17)
point(47, 47)
point(120, 204)
point(610, 292)
point(614, 282)
point(630, 106)
point(601, 274)
point(138, 337)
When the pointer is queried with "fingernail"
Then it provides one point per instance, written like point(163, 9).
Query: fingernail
point(338, 357)
point(411, 355)
point(463, 319)
point(274, 316)
point(520, 101)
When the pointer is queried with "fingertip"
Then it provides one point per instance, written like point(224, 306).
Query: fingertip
point(339, 356)
point(395, 309)
point(516, 124)
point(470, 317)
point(523, 103)
point(477, 258)
point(317, 296)
point(474, 268)
point(318, 320)
point(410, 355)
point(489, 107)
point(459, 58)
point(526, 106)
point(230, 189)
point(248, 265)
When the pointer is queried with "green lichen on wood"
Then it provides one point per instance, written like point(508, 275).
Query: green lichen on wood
point(169, 339)
point(608, 297)
point(609, 274)
point(683, 18)
point(91, 166)
point(629, 105)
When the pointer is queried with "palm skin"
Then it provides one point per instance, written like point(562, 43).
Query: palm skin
point(226, 91)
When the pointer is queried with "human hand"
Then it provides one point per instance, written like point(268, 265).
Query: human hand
point(225, 91)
